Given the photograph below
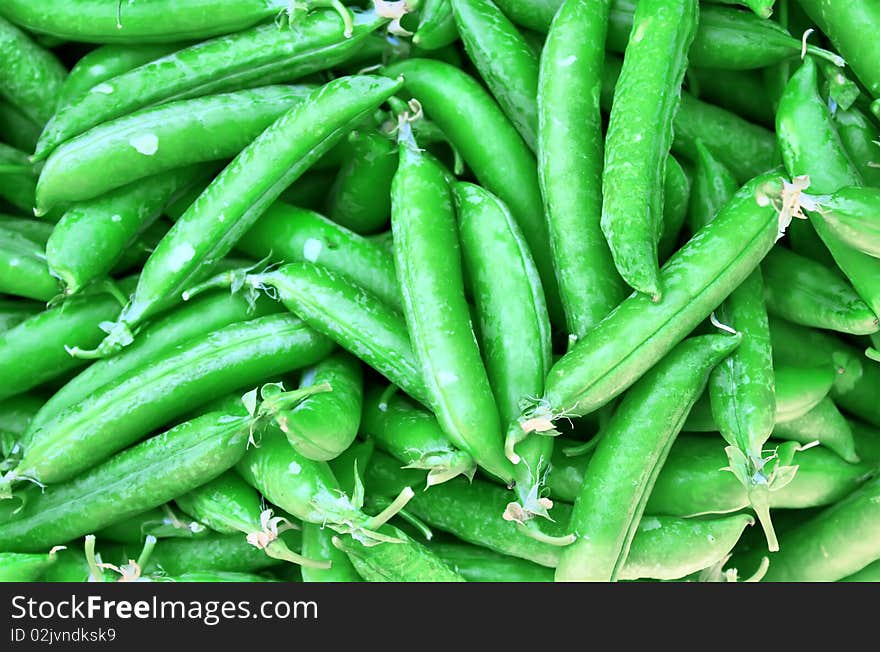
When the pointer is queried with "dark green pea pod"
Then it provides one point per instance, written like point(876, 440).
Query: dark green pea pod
point(639, 332)
point(92, 236)
point(16, 415)
point(806, 292)
point(629, 456)
point(159, 139)
point(36, 230)
point(360, 198)
point(436, 25)
point(23, 268)
point(742, 91)
point(504, 60)
point(859, 136)
point(13, 312)
point(676, 198)
point(413, 436)
point(811, 146)
point(258, 56)
point(144, 476)
point(478, 564)
point(514, 330)
point(762, 8)
point(824, 424)
point(24, 567)
point(640, 132)
point(663, 548)
point(17, 129)
point(325, 424)
point(152, 395)
point(853, 215)
point(160, 522)
point(317, 543)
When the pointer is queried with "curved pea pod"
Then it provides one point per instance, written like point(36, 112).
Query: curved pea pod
point(629, 456)
point(676, 199)
point(16, 415)
point(811, 146)
point(17, 129)
point(478, 564)
point(853, 215)
point(35, 230)
point(859, 136)
point(144, 476)
point(96, 21)
point(107, 61)
point(436, 27)
point(30, 76)
point(713, 186)
point(215, 553)
point(413, 437)
point(165, 387)
point(503, 164)
point(325, 424)
point(93, 236)
point(160, 522)
point(13, 312)
point(189, 322)
point(23, 268)
point(639, 332)
point(317, 543)
point(428, 262)
point(24, 567)
point(159, 139)
point(360, 198)
point(34, 352)
point(806, 292)
point(258, 56)
point(571, 145)
point(825, 424)
point(639, 137)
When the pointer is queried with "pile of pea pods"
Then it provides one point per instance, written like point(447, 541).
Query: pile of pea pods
point(439, 290)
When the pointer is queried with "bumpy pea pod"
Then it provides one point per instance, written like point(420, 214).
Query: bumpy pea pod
point(144, 476)
point(639, 332)
point(503, 164)
point(163, 388)
point(741, 387)
point(806, 292)
point(477, 564)
point(413, 436)
point(30, 76)
point(824, 424)
point(571, 145)
point(514, 332)
point(23, 268)
point(436, 25)
point(262, 55)
point(92, 236)
point(695, 482)
point(227, 504)
point(504, 60)
point(158, 139)
point(243, 191)
point(859, 136)
point(630, 454)
point(811, 146)
point(663, 548)
point(428, 260)
point(853, 215)
point(24, 567)
point(640, 132)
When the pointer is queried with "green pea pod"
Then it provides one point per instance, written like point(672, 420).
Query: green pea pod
point(216, 553)
point(514, 327)
point(742, 91)
point(713, 187)
point(13, 312)
point(160, 522)
point(859, 136)
point(262, 55)
point(676, 198)
point(413, 436)
point(428, 262)
point(163, 388)
point(853, 215)
point(503, 164)
point(24, 567)
point(806, 292)
point(23, 268)
point(144, 476)
point(317, 543)
point(694, 481)
point(436, 25)
point(158, 139)
point(324, 425)
point(189, 322)
point(825, 424)
point(663, 548)
point(92, 236)
point(841, 91)
point(811, 146)
point(30, 76)
point(107, 61)
point(97, 21)
point(630, 454)
point(762, 8)
point(639, 332)
point(639, 137)
point(240, 194)
point(533, 14)
point(35, 230)
point(360, 197)
point(478, 564)
point(870, 573)
point(16, 415)
point(18, 129)
point(571, 146)
point(504, 60)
